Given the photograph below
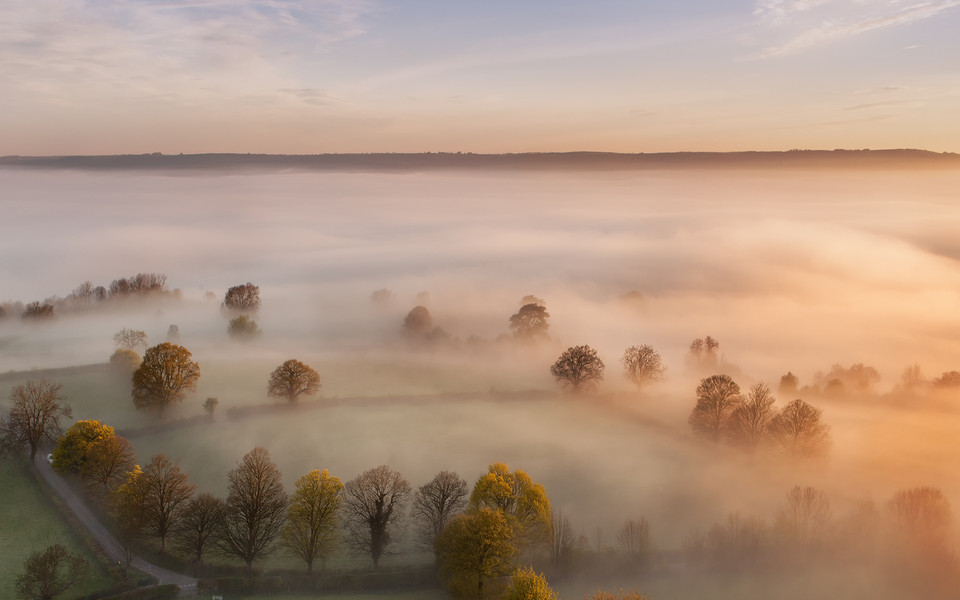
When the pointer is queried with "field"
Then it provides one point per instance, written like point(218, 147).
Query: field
point(29, 523)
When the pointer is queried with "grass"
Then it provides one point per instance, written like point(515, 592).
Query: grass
point(29, 522)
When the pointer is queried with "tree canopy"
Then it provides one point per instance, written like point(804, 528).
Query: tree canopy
point(291, 380)
point(474, 550)
point(164, 377)
point(313, 517)
point(71, 451)
point(800, 431)
point(530, 322)
point(578, 367)
point(243, 298)
point(642, 365)
point(522, 501)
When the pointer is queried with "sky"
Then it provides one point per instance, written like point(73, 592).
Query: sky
point(298, 76)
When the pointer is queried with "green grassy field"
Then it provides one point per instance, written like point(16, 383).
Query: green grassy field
point(28, 523)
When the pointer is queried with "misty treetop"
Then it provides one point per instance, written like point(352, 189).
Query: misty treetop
point(164, 377)
point(243, 298)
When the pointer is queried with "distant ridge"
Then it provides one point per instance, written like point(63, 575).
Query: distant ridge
point(531, 161)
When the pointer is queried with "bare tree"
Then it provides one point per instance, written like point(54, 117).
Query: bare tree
point(436, 503)
point(921, 511)
point(256, 507)
point(167, 495)
point(789, 384)
point(244, 298)
point(107, 460)
point(37, 311)
point(36, 408)
point(201, 519)
point(642, 365)
point(130, 339)
point(373, 503)
point(703, 353)
point(562, 540)
point(578, 367)
point(634, 538)
point(50, 572)
point(749, 422)
point(717, 397)
point(805, 515)
point(291, 380)
point(800, 431)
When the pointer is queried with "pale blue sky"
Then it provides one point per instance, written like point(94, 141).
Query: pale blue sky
point(84, 76)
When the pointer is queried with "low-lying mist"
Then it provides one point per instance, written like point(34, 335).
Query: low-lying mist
point(793, 271)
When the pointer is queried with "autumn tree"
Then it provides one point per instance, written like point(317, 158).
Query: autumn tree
point(198, 525)
point(804, 516)
point(642, 365)
point(164, 377)
point(107, 460)
point(373, 505)
point(244, 298)
point(718, 396)
point(436, 503)
point(255, 509)
point(474, 550)
point(129, 505)
point(578, 367)
point(749, 422)
point(70, 455)
point(522, 501)
point(527, 584)
point(531, 322)
point(243, 328)
point(800, 431)
point(313, 517)
point(36, 408)
point(130, 339)
point(167, 495)
point(291, 380)
point(49, 573)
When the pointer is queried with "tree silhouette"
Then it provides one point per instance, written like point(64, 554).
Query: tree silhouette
point(642, 365)
point(255, 509)
point(291, 380)
point(373, 503)
point(36, 408)
point(164, 377)
point(50, 572)
point(717, 397)
point(578, 367)
point(799, 430)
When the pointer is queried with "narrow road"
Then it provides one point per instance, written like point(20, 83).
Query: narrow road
point(100, 533)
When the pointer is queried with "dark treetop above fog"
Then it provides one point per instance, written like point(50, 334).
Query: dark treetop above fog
point(533, 161)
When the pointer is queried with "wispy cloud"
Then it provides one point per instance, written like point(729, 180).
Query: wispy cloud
point(69, 49)
point(798, 25)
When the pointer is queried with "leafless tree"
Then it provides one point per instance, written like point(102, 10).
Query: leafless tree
point(36, 408)
point(201, 519)
point(107, 460)
point(562, 540)
point(799, 430)
point(634, 538)
point(167, 495)
point(373, 504)
point(244, 298)
point(805, 515)
point(291, 380)
point(921, 511)
point(130, 339)
point(718, 396)
point(50, 572)
point(749, 422)
point(256, 507)
point(37, 311)
point(578, 367)
point(642, 365)
point(789, 384)
point(436, 503)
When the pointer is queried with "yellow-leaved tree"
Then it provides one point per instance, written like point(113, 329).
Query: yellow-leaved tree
point(313, 521)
